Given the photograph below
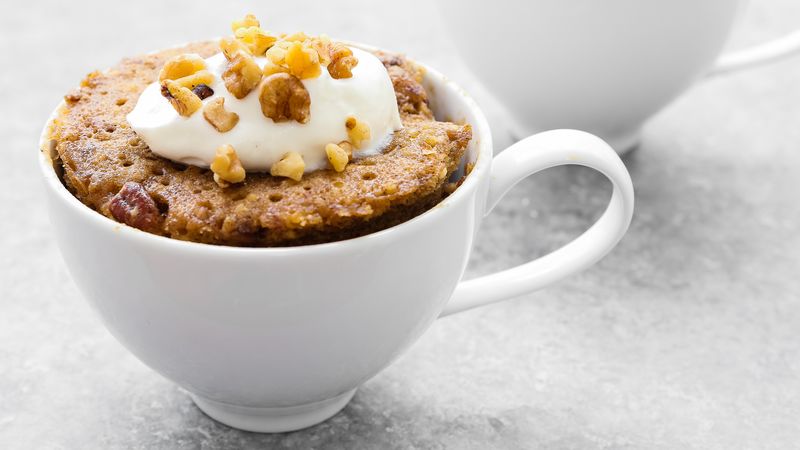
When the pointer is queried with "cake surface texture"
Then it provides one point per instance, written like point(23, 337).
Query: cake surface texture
point(111, 169)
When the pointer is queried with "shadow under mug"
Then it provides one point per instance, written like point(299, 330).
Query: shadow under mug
point(600, 66)
point(278, 339)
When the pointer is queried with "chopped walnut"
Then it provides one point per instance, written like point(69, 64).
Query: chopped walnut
point(337, 57)
point(133, 206)
point(226, 166)
point(231, 46)
point(337, 156)
point(357, 131)
point(295, 37)
point(242, 75)
point(302, 61)
point(203, 91)
point(283, 98)
point(181, 66)
point(322, 45)
point(290, 166)
point(342, 61)
point(271, 69)
point(255, 39)
point(277, 53)
point(215, 113)
point(249, 20)
point(182, 99)
point(348, 148)
point(195, 79)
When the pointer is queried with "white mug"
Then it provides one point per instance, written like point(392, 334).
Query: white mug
point(603, 66)
point(278, 339)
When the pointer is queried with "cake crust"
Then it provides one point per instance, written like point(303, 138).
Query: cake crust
point(105, 165)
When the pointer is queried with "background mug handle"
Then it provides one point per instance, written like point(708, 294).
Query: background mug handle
point(526, 157)
point(758, 54)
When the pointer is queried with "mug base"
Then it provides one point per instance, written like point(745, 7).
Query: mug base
point(273, 420)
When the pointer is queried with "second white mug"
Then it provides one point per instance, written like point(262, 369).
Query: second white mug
point(600, 66)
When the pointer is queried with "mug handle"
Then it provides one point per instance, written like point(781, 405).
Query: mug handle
point(529, 156)
point(758, 54)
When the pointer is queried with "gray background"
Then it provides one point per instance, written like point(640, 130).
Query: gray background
point(686, 336)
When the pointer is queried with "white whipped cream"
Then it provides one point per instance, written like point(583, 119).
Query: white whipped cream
point(259, 142)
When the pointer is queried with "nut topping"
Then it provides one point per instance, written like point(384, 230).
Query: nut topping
point(181, 66)
point(249, 20)
point(277, 53)
point(215, 113)
point(283, 98)
point(337, 156)
point(290, 166)
point(133, 206)
point(202, 91)
point(231, 46)
point(182, 99)
point(270, 69)
point(195, 79)
point(342, 61)
point(357, 131)
point(226, 166)
point(322, 45)
point(295, 37)
point(302, 61)
point(348, 148)
point(255, 39)
point(242, 75)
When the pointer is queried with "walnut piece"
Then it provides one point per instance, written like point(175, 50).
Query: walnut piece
point(290, 166)
point(270, 68)
point(133, 206)
point(202, 91)
point(215, 113)
point(337, 156)
point(277, 53)
point(283, 98)
point(195, 79)
point(181, 66)
point(295, 37)
point(357, 131)
point(226, 166)
point(242, 75)
point(255, 39)
point(249, 20)
point(322, 44)
point(302, 61)
point(231, 46)
point(342, 61)
point(182, 99)
point(348, 148)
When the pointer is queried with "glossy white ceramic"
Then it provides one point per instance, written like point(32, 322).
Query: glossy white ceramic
point(277, 339)
point(600, 66)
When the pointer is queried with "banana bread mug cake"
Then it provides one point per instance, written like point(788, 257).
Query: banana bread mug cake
point(257, 139)
point(282, 140)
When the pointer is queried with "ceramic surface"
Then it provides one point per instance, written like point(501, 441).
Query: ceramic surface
point(600, 66)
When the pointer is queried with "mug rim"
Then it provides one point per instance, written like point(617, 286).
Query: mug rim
point(481, 138)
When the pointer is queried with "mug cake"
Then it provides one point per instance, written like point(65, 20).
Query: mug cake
point(258, 139)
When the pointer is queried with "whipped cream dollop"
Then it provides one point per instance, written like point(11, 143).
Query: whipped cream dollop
point(259, 142)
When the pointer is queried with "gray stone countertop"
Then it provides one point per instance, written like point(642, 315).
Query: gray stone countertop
point(686, 336)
